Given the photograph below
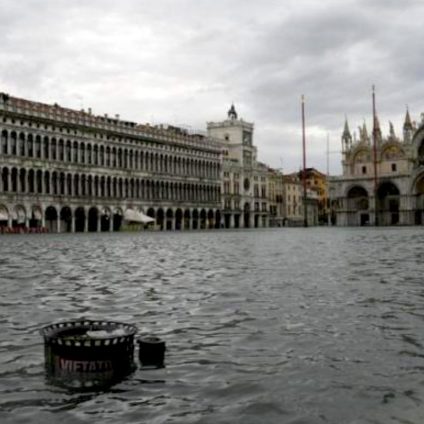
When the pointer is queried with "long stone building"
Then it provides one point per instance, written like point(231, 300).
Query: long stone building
point(382, 185)
point(65, 170)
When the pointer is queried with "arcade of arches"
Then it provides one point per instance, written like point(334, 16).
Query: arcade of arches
point(361, 206)
point(56, 218)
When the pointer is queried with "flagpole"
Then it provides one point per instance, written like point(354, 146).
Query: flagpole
point(374, 137)
point(305, 212)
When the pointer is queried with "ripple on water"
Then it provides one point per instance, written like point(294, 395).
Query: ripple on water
point(293, 325)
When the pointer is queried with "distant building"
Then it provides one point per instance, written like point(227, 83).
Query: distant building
point(293, 202)
point(245, 202)
point(317, 182)
point(381, 186)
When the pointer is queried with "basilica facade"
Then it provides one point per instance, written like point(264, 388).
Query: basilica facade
point(63, 170)
point(383, 177)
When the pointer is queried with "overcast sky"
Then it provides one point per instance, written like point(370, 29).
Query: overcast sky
point(183, 62)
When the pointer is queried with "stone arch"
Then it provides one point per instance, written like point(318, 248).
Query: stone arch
point(195, 219)
point(151, 213)
point(357, 205)
point(203, 217)
point(5, 179)
point(118, 216)
point(187, 217)
point(169, 219)
point(93, 219)
point(50, 217)
point(246, 215)
point(36, 216)
point(80, 219)
point(388, 203)
point(66, 219)
point(14, 180)
point(211, 219)
point(217, 218)
point(160, 218)
point(106, 219)
point(4, 142)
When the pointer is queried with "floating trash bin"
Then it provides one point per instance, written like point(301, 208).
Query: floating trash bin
point(88, 354)
point(151, 351)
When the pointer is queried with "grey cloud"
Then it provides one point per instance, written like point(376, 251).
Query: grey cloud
point(184, 61)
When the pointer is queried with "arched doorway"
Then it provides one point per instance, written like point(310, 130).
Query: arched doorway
point(105, 219)
point(79, 219)
point(36, 218)
point(187, 219)
point(195, 219)
point(50, 215)
point(117, 219)
point(169, 219)
point(211, 219)
point(66, 219)
point(246, 215)
point(358, 206)
point(388, 202)
point(178, 219)
point(160, 218)
point(419, 200)
point(92, 219)
point(202, 219)
point(217, 219)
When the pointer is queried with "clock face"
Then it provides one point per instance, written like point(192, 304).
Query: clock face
point(246, 184)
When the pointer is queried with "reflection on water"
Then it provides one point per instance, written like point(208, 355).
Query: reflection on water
point(289, 326)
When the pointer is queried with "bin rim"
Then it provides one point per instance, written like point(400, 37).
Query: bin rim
point(52, 331)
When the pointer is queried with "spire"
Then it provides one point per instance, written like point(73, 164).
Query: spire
point(376, 131)
point(408, 128)
point(346, 137)
point(346, 131)
point(364, 132)
point(392, 130)
point(232, 114)
point(408, 123)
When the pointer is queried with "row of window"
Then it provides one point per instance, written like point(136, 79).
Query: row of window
point(81, 185)
point(393, 168)
point(84, 153)
point(236, 189)
point(257, 206)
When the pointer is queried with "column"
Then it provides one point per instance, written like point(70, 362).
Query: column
point(99, 223)
point(73, 223)
point(43, 220)
point(43, 184)
point(58, 223)
point(232, 221)
point(85, 221)
point(9, 180)
point(111, 223)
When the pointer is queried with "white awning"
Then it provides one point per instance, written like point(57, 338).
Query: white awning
point(135, 216)
point(146, 218)
point(36, 213)
point(19, 216)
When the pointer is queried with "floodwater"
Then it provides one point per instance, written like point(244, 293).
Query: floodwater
point(317, 325)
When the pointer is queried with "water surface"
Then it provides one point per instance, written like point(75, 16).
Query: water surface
point(279, 326)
